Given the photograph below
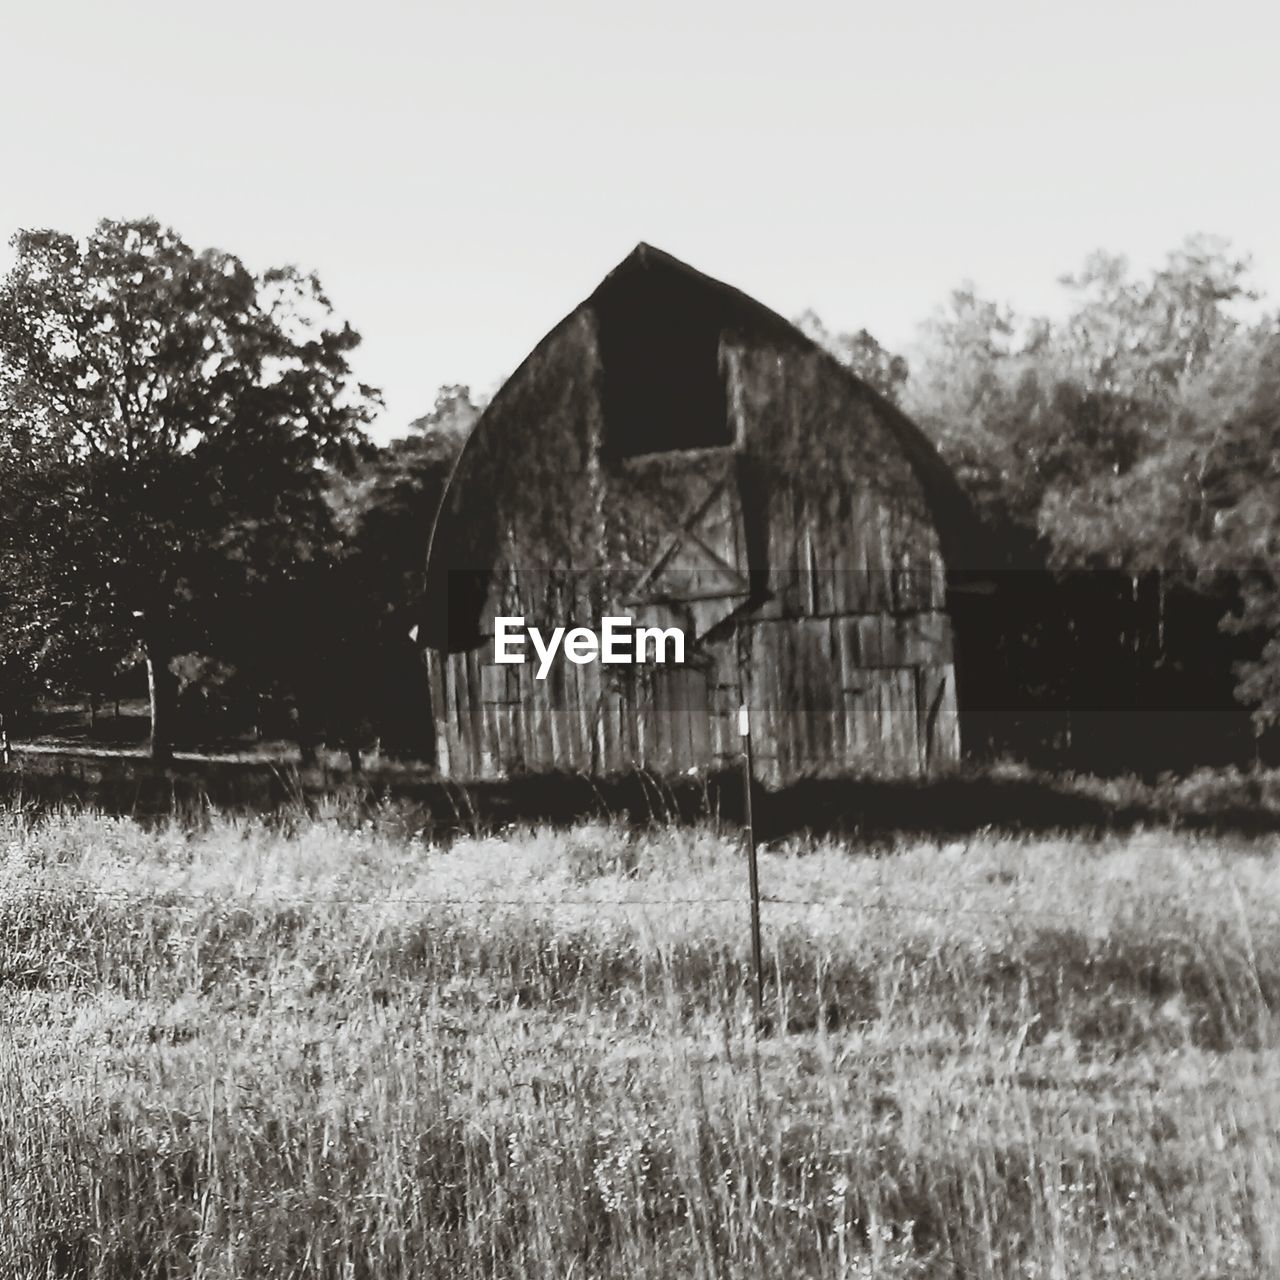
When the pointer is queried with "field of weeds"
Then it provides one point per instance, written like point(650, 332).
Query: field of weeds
point(237, 1052)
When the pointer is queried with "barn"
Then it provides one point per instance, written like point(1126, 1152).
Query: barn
point(676, 453)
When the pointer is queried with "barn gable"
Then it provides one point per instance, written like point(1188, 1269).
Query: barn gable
point(675, 451)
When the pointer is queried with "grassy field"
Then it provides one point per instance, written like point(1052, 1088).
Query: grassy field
point(323, 1052)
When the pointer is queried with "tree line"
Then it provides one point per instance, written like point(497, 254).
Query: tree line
point(1127, 458)
point(187, 486)
point(188, 489)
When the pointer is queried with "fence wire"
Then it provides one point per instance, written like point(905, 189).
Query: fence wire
point(175, 899)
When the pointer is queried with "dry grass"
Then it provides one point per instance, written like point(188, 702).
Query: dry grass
point(235, 1054)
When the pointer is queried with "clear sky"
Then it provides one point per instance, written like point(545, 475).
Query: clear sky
point(462, 174)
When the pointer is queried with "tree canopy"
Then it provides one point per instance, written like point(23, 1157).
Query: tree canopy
point(1139, 434)
point(186, 482)
point(169, 419)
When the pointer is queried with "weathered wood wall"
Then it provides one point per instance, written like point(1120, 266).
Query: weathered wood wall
point(819, 704)
point(803, 562)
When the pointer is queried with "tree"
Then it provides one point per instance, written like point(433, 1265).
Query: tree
point(1129, 356)
point(48, 639)
point(979, 390)
point(1129, 448)
point(860, 352)
point(1053, 425)
point(172, 415)
point(385, 510)
point(1213, 498)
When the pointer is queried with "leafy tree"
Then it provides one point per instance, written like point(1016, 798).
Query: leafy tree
point(978, 389)
point(1128, 447)
point(1053, 425)
point(171, 417)
point(860, 352)
point(1131, 352)
point(384, 511)
point(1211, 499)
point(47, 639)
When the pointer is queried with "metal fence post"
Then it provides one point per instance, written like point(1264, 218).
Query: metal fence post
point(753, 871)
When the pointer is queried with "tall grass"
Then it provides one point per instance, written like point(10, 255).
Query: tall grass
point(232, 1053)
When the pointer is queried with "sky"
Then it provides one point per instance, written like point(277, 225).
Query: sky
point(461, 175)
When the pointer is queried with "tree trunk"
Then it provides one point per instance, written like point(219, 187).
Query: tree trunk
point(161, 689)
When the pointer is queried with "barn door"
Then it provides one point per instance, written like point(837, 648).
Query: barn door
point(694, 523)
point(693, 576)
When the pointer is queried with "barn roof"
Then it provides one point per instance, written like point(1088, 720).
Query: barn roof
point(734, 305)
point(964, 544)
point(740, 310)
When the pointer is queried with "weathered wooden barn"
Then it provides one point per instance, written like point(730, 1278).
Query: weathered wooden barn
point(676, 452)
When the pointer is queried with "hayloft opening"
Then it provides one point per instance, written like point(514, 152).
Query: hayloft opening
point(660, 347)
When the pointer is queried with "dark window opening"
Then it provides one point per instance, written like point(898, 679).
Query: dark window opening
point(660, 348)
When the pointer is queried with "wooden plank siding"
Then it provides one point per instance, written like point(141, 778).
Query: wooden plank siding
point(832, 694)
point(852, 694)
point(804, 562)
point(850, 661)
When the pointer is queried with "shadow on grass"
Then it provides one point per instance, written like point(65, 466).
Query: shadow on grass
point(873, 810)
